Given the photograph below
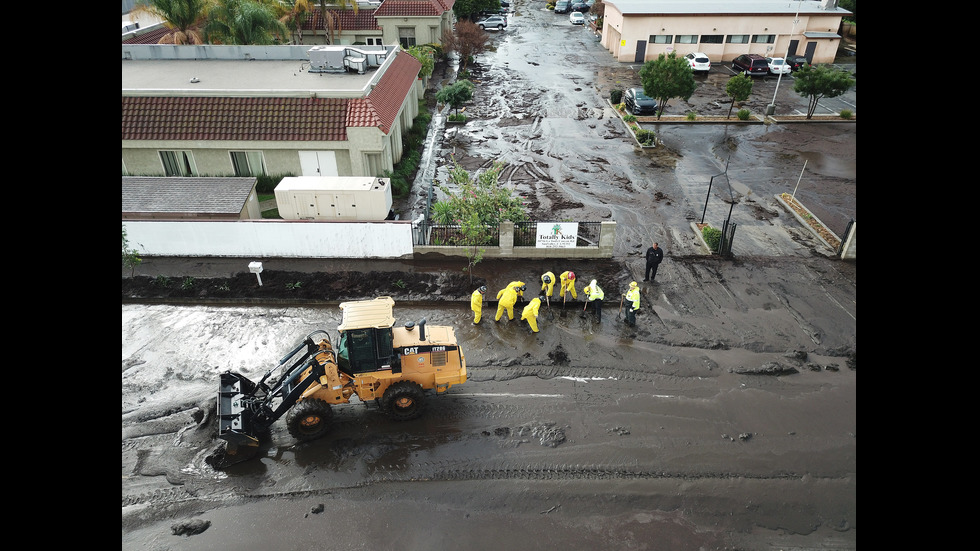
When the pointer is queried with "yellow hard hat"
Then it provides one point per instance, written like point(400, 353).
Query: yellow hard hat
point(632, 284)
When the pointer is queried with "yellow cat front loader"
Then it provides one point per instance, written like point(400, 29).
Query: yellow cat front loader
point(391, 367)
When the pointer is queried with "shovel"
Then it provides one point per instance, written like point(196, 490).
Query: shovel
point(551, 315)
point(619, 314)
point(582, 315)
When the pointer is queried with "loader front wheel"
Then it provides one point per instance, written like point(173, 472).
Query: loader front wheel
point(309, 419)
point(403, 401)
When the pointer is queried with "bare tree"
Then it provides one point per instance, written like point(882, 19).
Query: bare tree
point(467, 39)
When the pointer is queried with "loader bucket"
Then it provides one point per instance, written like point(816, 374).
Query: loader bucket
point(235, 424)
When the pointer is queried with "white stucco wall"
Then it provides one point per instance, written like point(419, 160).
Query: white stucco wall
point(272, 238)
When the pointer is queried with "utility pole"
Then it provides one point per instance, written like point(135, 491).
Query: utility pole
point(771, 108)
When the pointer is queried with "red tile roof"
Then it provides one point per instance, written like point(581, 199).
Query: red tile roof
point(413, 8)
point(150, 37)
point(363, 21)
point(238, 119)
point(388, 95)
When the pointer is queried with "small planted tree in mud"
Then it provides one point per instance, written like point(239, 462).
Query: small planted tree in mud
point(455, 95)
point(130, 257)
point(820, 82)
point(739, 88)
point(467, 39)
point(477, 208)
point(667, 77)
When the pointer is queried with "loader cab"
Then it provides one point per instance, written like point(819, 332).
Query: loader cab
point(365, 337)
point(366, 350)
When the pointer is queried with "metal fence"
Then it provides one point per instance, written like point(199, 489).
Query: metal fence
point(452, 235)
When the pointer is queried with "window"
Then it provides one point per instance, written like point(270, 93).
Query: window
point(763, 38)
point(406, 37)
point(686, 39)
point(712, 38)
point(661, 38)
point(178, 163)
point(248, 163)
point(374, 42)
point(738, 39)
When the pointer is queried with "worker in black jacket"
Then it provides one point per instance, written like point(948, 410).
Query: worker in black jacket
point(655, 256)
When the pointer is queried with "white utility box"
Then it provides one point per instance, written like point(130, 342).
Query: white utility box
point(334, 198)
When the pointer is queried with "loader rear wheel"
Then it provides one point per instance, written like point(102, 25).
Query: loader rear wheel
point(309, 419)
point(403, 401)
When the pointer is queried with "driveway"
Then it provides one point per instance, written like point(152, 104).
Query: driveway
point(725, 420)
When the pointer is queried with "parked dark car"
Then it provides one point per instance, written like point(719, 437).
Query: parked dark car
point(563, 6)
point(580, 7)
point(796, 61)
point(751, 64)
point(639, 103)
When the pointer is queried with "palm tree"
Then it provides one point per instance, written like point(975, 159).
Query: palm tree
point(293, 14)
point(331, 22)
point(243, 22)
point(183, 17)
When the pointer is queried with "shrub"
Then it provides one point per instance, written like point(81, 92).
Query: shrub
point(846, 114)
point(267, 184)
point(616, 96)
point(712, 236)
point(645, 137)
point(743, 114)
point(629, 118)
point(456, 117)
point(691, 115)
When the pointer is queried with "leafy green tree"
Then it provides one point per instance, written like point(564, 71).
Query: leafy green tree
point(851, 6)
point(478, 207)
point(467, 39)
point(739, 88)
point(426, 56)
point(243, 22)
point(469, 9)
point(293, 14)
point(667, 77)
point(821, 81)
point(130, 257)
point(183, 17)
point(456, 94)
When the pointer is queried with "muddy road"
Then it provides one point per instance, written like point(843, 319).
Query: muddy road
point(725, 421)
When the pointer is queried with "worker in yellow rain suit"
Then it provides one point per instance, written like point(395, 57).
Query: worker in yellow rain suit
point(520, 287)
point(633, 299)
point(567, 282)
point(595, 296)
point(506, 299)
point(530, 313)
point(476, 303)
point(548, 284)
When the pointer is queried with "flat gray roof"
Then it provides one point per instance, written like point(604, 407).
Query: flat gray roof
point(244, 78)
point(233, 71)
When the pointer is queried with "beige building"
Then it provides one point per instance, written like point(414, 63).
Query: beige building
point(636, 31)
point(266, 110)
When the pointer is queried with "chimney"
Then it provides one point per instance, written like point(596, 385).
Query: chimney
point(422, 329)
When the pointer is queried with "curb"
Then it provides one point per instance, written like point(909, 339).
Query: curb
point(806, 224)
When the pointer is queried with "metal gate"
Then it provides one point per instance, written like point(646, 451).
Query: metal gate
point(727, 236)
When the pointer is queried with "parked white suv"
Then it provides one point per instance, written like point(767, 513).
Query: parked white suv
point(699, 62)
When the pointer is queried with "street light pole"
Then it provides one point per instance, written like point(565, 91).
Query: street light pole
point(772, 107)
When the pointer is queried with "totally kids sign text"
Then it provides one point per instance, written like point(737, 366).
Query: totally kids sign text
point(557, 235)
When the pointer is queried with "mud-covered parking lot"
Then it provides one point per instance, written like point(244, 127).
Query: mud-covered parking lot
point(725, 420)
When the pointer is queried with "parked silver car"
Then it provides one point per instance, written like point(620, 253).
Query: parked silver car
point(493, 22)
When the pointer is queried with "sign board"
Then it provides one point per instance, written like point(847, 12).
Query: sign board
point(556, 235)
